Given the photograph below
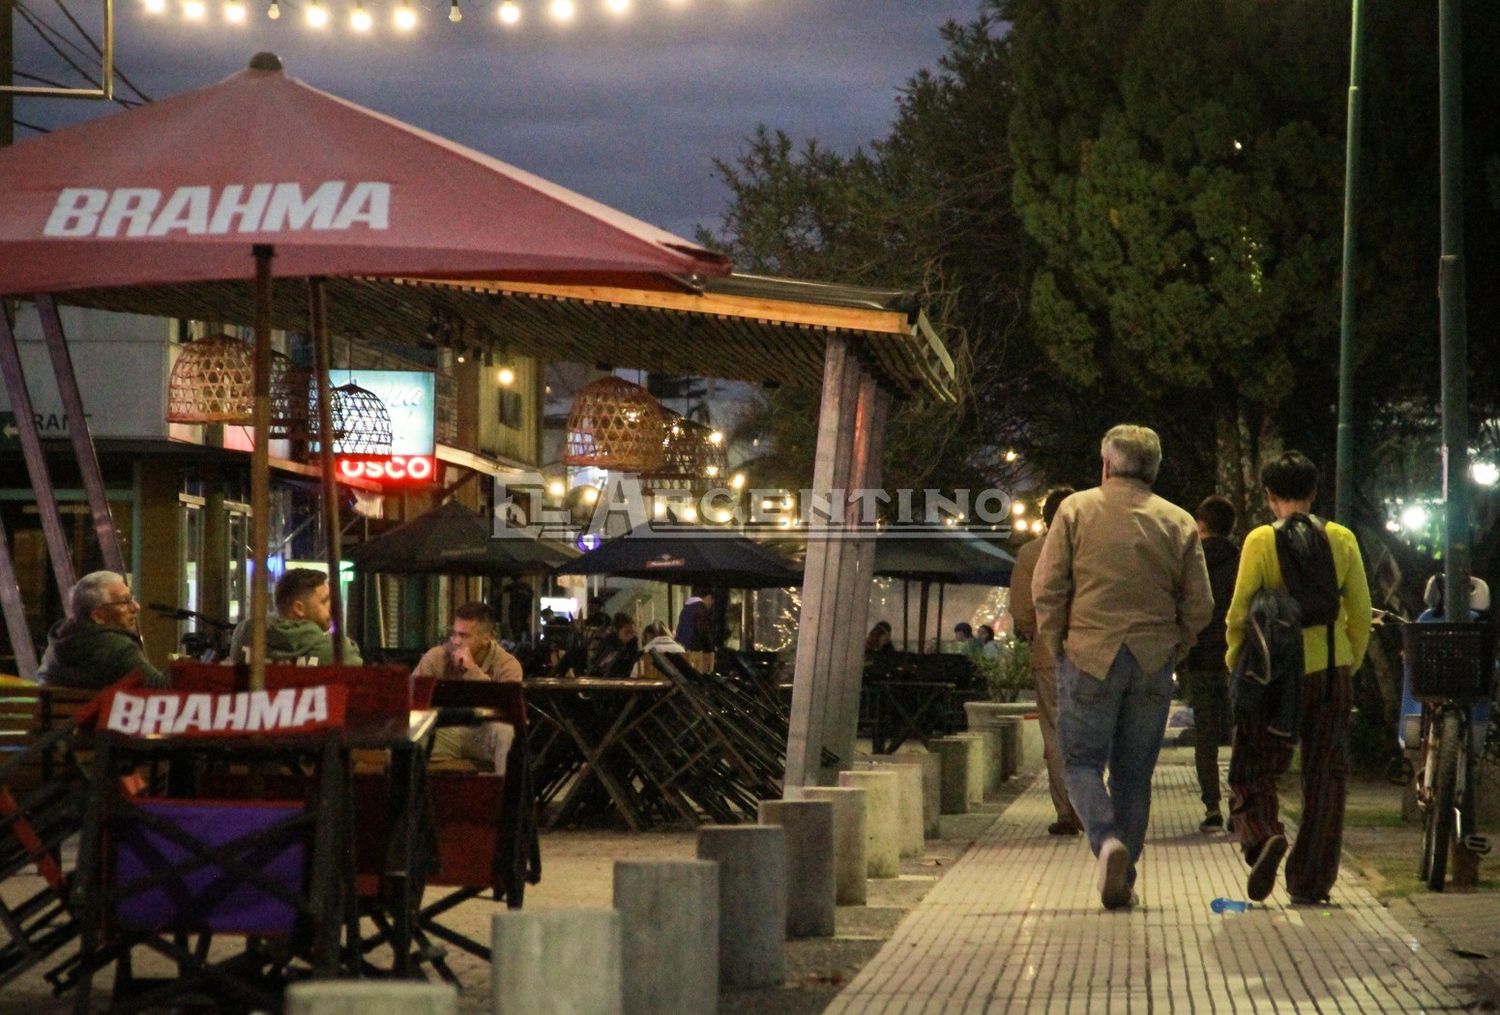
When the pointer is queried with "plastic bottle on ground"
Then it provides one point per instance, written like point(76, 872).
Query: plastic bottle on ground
point(1228, 906)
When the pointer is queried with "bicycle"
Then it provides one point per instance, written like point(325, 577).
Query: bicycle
point(1449, 670)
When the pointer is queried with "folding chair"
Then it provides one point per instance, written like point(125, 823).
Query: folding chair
point(157, 872)
point(485, 824)
point(43, 790)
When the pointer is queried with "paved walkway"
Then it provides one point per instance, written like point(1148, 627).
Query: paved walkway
point(1016, 925)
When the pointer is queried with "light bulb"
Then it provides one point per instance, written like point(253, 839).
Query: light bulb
point(317, 15)
point(462, 358)
point(557, 488)
point(359, 19)
point(156, 6)
point(506, 376)
point(406, 18)
point(563, 10)
point(617, 6)
point(274, 11)
point(194, 9)
point(454, 14)
point(509, 13)
point(234, 11)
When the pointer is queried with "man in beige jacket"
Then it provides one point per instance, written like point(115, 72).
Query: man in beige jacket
point(1043, 667)
point(1121, 593)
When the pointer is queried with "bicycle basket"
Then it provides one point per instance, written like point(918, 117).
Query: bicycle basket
point(1450, 661)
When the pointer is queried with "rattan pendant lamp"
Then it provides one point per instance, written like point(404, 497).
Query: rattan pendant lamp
point(616, 425)
point(213, 381)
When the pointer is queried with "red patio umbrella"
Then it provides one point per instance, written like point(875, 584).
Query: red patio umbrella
point(262, 173)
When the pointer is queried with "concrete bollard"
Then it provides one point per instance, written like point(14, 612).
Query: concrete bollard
point(850, 867)
point(387, 997)
point(909, 817)
point(556, 961)
point(953, 755)
point(752, 901)
point(978, 770)
point(810, 898)
point(1009, 734)
point(932, 780)
point(669, 927)
point(882, 820)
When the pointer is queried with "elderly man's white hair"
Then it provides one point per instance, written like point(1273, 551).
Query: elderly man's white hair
point(1132, 452)
point(90, 591)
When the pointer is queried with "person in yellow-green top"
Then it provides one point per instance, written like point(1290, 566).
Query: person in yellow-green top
point(1259, 756)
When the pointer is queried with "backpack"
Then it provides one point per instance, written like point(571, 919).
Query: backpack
point(1306, 560)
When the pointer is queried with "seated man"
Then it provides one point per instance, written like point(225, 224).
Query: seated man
point(472, 653)
point(618, 650)
point(299, 630)
point(97, 644)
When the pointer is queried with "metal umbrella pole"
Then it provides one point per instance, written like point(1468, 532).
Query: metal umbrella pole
point(260, 468)
point(317, 312)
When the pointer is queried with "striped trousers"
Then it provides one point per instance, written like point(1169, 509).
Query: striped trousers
point(1259, 758)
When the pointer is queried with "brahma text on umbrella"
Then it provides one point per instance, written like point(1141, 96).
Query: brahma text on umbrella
point(172, 713)
point(331, 206)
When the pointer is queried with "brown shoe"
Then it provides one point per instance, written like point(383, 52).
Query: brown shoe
point(1263, 872)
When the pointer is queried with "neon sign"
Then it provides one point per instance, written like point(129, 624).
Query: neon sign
point(397, 469)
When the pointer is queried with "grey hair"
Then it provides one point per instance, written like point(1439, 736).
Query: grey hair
point(1132, 451)
point(88, 593)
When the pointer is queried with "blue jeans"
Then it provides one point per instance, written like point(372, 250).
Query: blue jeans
point(1119, 722)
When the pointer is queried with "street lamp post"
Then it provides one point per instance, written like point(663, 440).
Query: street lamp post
point(1454, 340)
point(1343, 490)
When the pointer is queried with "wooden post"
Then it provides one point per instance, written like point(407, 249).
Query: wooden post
point(318, 317)
point(835, 600)
point(260, 469)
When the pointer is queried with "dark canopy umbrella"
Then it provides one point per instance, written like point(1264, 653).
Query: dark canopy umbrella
point(454, 539)
point(719, 559)
point(956, 558)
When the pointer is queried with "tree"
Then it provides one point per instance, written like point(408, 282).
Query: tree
point(925, 209)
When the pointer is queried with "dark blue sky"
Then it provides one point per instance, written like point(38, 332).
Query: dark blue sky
point(629, 111)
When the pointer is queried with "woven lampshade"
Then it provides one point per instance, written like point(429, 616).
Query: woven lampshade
point(361, 423)
point(293, 412)
point(689, 452)
point(614, 424)
point(213, 381)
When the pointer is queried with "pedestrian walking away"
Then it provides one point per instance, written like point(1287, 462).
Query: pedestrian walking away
point(1121, 592)
point(1205, 680)
point(1304, 568)
point(1043, 666)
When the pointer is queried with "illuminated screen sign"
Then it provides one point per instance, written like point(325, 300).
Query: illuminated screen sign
point(391, 469)
point(410, 396)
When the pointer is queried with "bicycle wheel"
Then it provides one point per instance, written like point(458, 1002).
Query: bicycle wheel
point(1440, 818)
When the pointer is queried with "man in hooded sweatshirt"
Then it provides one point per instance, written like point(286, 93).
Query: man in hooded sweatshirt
point(97, 644)
point(1205, 680)
point(300, 628)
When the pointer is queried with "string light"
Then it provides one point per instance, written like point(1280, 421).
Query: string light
point(506, 376)
point(405, 16)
